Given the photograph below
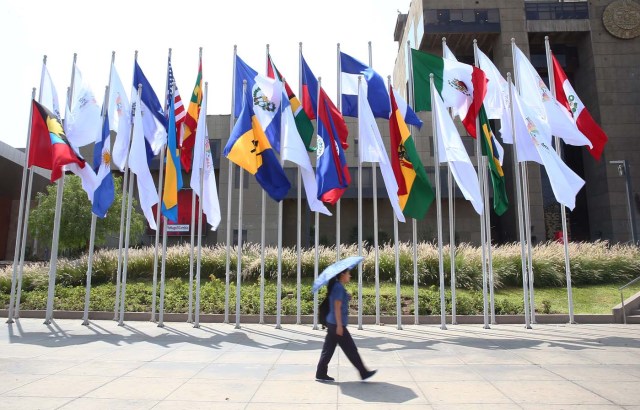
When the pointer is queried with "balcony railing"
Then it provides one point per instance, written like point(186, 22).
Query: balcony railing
point(557, 11)
point(462, 21)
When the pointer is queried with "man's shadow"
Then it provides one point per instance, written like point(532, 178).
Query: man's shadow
point(380, 392)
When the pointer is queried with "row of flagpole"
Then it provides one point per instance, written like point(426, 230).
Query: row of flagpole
point(523, 222)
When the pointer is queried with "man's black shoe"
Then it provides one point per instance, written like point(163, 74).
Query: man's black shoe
point(368, 374)
point(325, 378)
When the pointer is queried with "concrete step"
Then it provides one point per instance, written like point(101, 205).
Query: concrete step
point(634, 319)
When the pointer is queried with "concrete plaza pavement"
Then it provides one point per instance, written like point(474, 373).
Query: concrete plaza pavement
point(140, 366)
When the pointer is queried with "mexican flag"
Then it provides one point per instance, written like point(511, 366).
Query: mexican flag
point(462, 86)
point(414, 190)
point(566, 95)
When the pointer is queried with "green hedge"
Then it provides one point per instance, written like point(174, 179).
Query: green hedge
point(591, 263)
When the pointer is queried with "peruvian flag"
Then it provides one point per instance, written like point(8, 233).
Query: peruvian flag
point(566, 96)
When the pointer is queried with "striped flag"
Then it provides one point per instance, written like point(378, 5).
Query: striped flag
point(178, 110)
point(188, 139)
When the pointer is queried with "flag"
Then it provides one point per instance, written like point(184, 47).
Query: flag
point(173, 171)
point(374, 88)
point(491, 148)
point(372, 149)
point(332, 172)
point(303, 123)
point(154, 122)
point(138, 165)
point(178, 108)
point(203, 162)
point(48, 94)
point(524, 145)
point(309, 90)
point(496, 102)
point(410, 117)
point(451, 150)
point(294, 146)
point(564, 182)
point(462, 86)
point(536, 95)
point(249, 148)
point(119, 119)
point(265, 100)
point(104, 194)
point(414, 190)
point(568, 98)
point(49, 148)
point(84, 122)
point(310, 97)
point(191, 122)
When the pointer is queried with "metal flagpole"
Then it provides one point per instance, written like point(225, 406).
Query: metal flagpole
point(436, 159)
point(299, 216)
point(338, 207)
point(87, 296)
point(485, 170)
point(132, 178)
point(56, 220)
point(525, 201)
point(196, 324)
point(229, 191)
point(262, 244)
point(162, 269)
point(262, 257)
point(125, 262)
point(414, 222)
point(316, 232)
point(160, 187)
point(21, 215)
point(374, 176)
point(193, 221)
point(239, 260)
point(452, 229)
point(359, 214)
point(519, 201)
point(563, 210)
point(280, 209)
point(123, 202)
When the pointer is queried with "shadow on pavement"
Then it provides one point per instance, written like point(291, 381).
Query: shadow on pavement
point(379, 392)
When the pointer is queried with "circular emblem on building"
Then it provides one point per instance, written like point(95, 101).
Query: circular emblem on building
point(621, 18)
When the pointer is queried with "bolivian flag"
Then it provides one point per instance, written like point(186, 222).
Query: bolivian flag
point(249, 148)
point(414, 190)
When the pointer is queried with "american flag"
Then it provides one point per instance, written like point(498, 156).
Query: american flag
point(179, 110)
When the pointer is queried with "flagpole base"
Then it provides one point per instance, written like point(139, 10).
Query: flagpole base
point(85, 322)
point(160, 324)
point(359, 327)
point(196, 326)
point(237, 326)
point(9, 321)
point(486, 326)
point(315, 327)
point(443, 327)
point(278, 326)
point(528, 327)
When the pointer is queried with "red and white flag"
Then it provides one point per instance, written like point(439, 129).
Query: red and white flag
point(566, 95)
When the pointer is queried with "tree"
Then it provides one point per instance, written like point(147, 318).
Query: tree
point(75, 222)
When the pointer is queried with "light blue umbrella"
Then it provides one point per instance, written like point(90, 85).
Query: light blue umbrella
point(333, 269)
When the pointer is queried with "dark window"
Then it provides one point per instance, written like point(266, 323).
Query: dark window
point(235, 236)
point(236, 178)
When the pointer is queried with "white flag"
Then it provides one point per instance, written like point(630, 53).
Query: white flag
point(202, 160)
point(564, 182)
point(451, 150)
point(83, 125)
point(119, 119)
point(138, 165)
point(496, 102)
point(48, 94)
point(292, 149)
point(371, 149)
point(535, 94)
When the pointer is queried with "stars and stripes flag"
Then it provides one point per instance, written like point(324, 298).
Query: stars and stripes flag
point(179, 109)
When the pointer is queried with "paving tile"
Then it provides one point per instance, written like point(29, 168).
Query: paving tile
point(137, 388)
point(30, 403)
point(598, 372)
point(462, 392)
point(234, 371)
point(230, 391)
point(61, 386)
point(302, 392)
point(621, 392)
point(549, 392)
point(84, 403)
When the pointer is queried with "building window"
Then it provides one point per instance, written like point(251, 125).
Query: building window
point(235, 236)
point(236, 178)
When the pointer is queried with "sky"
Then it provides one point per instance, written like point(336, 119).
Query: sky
point(34, 28)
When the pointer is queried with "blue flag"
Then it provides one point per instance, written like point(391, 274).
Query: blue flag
point(350, 70)
point(266, 95)
point(104, 194)
point(154, 122)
